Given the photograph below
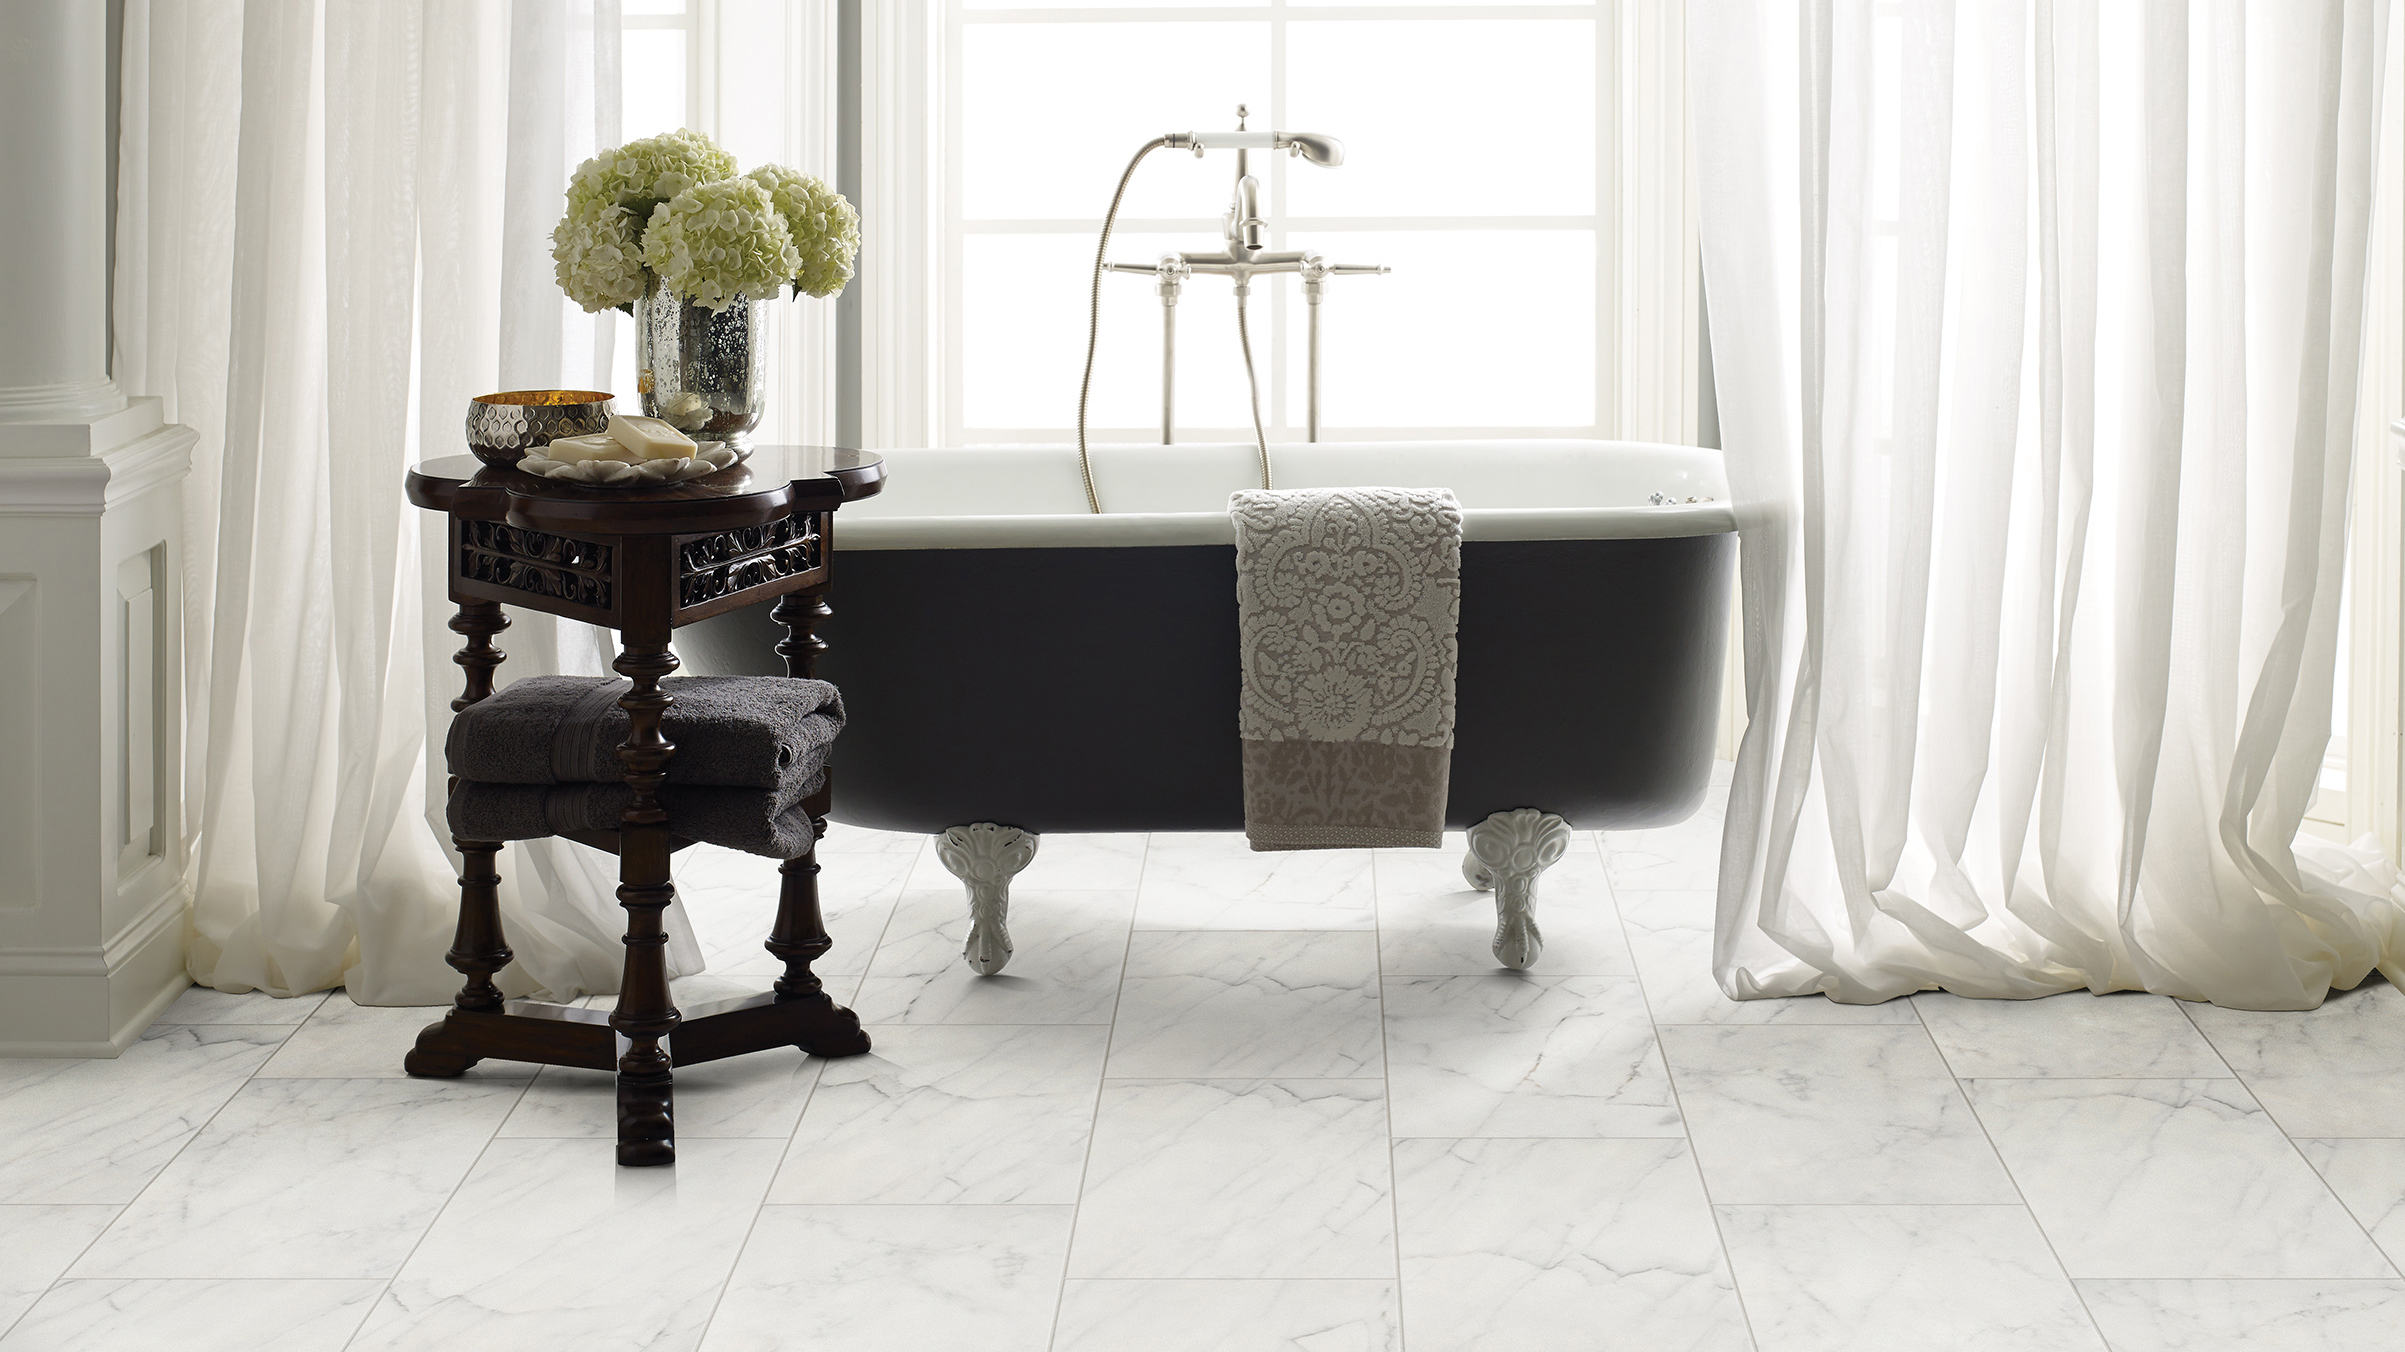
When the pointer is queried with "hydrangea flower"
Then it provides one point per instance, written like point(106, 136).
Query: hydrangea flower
point(716, 243)
point(825, 228)
point(596, 258)
point(653, 169)
point(672, 206)
point(597, 247)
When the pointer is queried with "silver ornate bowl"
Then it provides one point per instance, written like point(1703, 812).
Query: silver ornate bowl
point(503, 427)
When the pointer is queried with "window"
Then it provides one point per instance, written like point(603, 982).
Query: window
point(756, 76)
point(1521, 168)
point(1476, 167)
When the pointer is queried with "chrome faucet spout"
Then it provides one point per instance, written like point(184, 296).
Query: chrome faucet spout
point(1246, 229)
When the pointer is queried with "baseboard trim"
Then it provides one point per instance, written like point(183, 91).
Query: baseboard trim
point(111, 1047)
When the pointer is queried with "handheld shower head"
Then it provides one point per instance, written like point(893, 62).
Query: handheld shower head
point(1321, 150)
point(1325, 151)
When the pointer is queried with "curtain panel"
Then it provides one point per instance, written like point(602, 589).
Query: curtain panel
point(2036, 328)
point(332, 232)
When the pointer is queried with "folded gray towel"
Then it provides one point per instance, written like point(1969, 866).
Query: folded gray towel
point(734, 731)
point(769, 822)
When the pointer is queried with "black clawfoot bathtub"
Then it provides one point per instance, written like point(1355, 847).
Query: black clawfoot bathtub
point(1008, 658)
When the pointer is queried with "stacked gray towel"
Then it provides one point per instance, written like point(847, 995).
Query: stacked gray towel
point(541, 757)
point(740, 731)
point(750, 820)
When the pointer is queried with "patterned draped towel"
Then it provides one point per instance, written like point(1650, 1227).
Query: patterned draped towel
point(1346, 604)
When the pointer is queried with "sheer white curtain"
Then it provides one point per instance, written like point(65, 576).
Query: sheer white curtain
point(2035, 333)
point(331, 233)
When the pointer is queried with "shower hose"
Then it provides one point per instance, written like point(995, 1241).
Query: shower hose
point(1085, 386)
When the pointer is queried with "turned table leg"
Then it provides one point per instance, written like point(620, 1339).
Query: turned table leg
point(478, 947)
point(800, 613)
point(799, 939)
point(477, 622)
point(645, 1015)
point(478, 950)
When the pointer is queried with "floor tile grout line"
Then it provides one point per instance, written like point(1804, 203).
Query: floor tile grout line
point(215, 1280)
point(1278, 1079)
point(2395, 1269)
point(44, 1293)
point(893, 908)
point(816, 1081)
point(1060, 1295)
point(437, 1218)
point(1615, 896)
point(1695, 1159)
point(290, 1031)
point(872, 1206)
point(752, 1227)
point(1386, 1064)
point(2104, 1343)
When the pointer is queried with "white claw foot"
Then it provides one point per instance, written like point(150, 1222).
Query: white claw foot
point(1507, 851)
point(987, 857)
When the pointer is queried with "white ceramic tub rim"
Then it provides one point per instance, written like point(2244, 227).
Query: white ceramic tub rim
point(1030, 497)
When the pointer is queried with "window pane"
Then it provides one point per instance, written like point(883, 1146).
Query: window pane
point(655, 81)
point(1050, 113)
point(1474, 117)
point(1472, 329)
point(757, 92)
point(1023, 339)
point(1445, 120)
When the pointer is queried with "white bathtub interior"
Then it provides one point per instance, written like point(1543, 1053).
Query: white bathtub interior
point(1031, 496)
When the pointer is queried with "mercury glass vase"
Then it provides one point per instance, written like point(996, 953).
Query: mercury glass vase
point(702, 372)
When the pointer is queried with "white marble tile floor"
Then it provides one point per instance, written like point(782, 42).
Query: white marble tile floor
point(1232, 1102)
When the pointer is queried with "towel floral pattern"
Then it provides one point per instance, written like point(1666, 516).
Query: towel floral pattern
point(1348, 600)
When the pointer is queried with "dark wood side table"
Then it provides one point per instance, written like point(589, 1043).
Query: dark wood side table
point(642, 562)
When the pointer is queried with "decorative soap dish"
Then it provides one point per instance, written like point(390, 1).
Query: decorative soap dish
point(706, 459)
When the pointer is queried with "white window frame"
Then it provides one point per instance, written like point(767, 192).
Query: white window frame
point(1646, 265)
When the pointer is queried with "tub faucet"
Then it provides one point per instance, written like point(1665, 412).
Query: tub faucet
point(1245, 226)
point(1243, 254)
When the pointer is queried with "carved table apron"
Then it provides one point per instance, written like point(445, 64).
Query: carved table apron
point(642, 562)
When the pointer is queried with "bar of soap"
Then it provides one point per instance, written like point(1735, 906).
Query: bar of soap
point(577, 450)
point(650, 438)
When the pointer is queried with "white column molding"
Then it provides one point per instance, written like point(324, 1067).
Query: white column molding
point(53, 100)
point(92, 893)
point(92, 899)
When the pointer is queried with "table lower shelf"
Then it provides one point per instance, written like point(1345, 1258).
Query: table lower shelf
point(566, 1035)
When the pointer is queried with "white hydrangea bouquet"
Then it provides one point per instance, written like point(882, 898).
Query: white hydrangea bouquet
point(666, 230)
point(672, 207)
